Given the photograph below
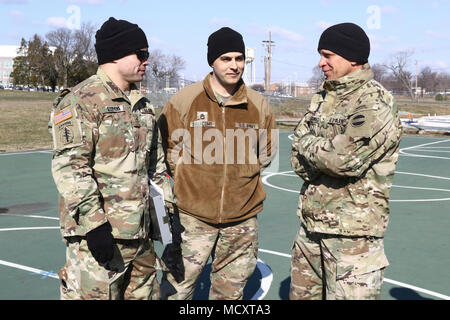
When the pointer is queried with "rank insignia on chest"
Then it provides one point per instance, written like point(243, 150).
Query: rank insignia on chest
point(63, 115)
point(202, 116)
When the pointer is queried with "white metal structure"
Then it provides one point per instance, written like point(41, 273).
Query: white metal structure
point(428, 123)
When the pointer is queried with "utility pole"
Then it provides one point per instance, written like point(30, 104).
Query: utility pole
point(267, 62)
point(417, 70)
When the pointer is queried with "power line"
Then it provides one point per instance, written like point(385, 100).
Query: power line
point(292, 64)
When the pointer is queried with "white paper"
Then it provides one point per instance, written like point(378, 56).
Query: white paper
point(161, 228)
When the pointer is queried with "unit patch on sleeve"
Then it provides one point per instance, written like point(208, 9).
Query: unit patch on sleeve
point(66, 129)
point(358, 120)
point(66, 135)
point(360, 124)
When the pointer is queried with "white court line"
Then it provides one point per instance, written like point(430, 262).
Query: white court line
point(24, 152)
point(398, 283)
point(421, 188)
point(28, 215)
point(266, 276)
point(422, 175)
point(403, 153)
point(424, 144)
point(30, 269)
point(435, 148)
point(22, 267)
point(432, 150)
point(285, 173)
point(28, 228)
point(276, 253)
point(266, 272)
point(266, 280)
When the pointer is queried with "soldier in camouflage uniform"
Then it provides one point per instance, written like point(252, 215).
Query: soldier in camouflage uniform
point(218, 200)
point(106, 147)
point(345, 149)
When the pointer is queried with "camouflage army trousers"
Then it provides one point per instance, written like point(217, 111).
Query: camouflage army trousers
point(331, 267)
point(233, 248)
point(131, 274)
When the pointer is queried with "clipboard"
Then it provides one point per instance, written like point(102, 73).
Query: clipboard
point(160, 220)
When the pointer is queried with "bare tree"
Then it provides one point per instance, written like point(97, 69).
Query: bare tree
point(317, 78)
point(443, 80)
point(379, 72)
point(75, 56)
point(398, 65)
point(64, 42)
point(164, 68)
point(427, 79)
point(85, 62)
point(84, 42)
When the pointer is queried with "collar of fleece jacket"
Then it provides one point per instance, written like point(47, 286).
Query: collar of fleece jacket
point(239, 96)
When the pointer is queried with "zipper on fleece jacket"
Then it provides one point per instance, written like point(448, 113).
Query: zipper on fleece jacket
point(225, 162)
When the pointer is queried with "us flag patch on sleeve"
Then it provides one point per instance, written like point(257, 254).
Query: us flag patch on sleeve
point(63, 115)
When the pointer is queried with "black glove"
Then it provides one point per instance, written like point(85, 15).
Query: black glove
point(101, 243)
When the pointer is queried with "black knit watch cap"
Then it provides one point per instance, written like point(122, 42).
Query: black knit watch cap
point(118, 38)
point(222, 41)
point(347, 40)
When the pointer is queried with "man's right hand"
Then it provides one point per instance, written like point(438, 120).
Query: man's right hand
point(101, 243)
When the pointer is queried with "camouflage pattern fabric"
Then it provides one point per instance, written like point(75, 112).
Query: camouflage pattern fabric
point(106, 147)
point(133, 267)
point(346, 149)
point(233, 247)
point(336, 268)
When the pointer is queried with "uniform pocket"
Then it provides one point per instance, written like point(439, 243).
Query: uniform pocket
point(64, 283)
point(359, 256)
point(115, 135)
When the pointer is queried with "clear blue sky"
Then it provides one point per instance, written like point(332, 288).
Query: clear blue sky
point(182, 27)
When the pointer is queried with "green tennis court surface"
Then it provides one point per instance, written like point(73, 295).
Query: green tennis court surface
point(31, 251)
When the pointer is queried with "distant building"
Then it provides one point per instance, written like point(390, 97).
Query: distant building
point(304, 88)
point(292, 89)
point(7, 55)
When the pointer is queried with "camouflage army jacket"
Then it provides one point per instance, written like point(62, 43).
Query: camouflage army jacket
point(346, 149)
point(106, 146)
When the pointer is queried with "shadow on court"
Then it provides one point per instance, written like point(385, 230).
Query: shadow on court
point(406, 294)
point(396, 293)
point(204, 284)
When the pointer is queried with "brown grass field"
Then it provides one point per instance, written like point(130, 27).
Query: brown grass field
point(23, 120)
point(24, 116)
